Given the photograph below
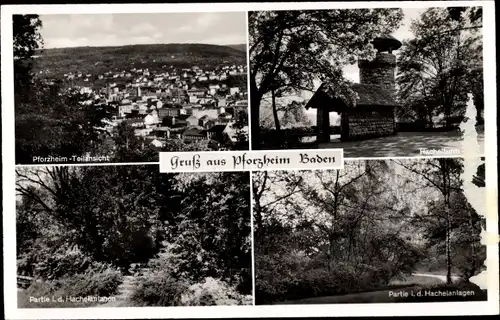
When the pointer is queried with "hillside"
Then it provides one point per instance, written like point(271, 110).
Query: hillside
point(97, 60)
point(241, 47)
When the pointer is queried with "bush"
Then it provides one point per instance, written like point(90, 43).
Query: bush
point(53, 261)
point(280, 281)
point(213, 292)
point(100, 281)
point(159, 288)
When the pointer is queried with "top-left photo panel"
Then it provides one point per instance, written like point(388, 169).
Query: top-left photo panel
point(121, 88)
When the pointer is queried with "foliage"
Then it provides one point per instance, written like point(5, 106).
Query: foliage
point(159, 288)
point(440, 65)
point(101, 282)
point(51, 121)
point(184, 228)
point(290, 115)
point(213, 292)
point(320, 233)
point(131, 148)
point(290, 49)
point(98, 60)
point(26, 40)
point(214, 222)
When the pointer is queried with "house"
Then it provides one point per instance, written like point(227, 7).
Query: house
point(175, 122)
point(170, 112)
point(161, 132)
point(134, 122)
point(210, 112)
point(241, 104)
point(224, 117)
point(85, 90)
point(196, 92)
point(123, 109)
point(194, 99)
point(216, 132)
point(157, 143)
point(373, 114)
point(192, 120)
point(204, 120)
point(151, 119)
point(221, 102)
point(194, 134)
point(143, 132)
point(213, 89)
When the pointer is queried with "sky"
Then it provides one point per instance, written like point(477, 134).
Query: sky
point(74, 30)
point(403, 33)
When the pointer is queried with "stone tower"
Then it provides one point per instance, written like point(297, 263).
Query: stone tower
point(381, 70)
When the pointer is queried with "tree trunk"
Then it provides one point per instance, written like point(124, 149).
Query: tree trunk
point(472, 270)
point(275, 113)
point(279, 137)
point(429, 116)
point(448, 246)
point(255, 98)
point(446, 193)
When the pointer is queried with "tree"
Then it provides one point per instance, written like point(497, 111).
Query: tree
point(211, 237)
point(120, 225)
point(56, 122)
point(444, 176)
point(326, 232)
point(440, 65)
point(26, 40)
point(131, 148)
point(289, 49)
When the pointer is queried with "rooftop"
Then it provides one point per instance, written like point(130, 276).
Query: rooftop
point(368, 95)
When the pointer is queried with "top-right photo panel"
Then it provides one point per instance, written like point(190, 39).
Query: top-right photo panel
point(384, 82)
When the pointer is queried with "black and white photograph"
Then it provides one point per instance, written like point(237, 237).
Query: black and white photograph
point(123, 87)
point(378, 231)
point(128, 236)
point(283, 159)
point(375, 82)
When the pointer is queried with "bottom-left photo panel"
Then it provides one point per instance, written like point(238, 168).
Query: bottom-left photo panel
point(130, 236)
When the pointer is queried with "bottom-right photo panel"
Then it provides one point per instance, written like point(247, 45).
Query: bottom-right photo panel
point(377, 231)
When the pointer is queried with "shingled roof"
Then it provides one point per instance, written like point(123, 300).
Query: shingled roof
point(368, 95)
point(373, 95)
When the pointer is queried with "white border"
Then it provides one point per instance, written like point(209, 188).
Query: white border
point(397, 309)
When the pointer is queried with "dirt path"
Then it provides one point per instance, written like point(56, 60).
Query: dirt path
point(125, 290)
point(437, 276)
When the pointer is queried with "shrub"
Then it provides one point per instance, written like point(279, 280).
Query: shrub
point(100, 281)
point(159, 288)
point(213, 292)
point(48, 263)
point(281, 281)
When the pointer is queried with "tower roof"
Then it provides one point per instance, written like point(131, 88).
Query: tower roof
point(386, 43)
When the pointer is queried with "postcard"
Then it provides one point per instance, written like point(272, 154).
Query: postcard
point(249, 160)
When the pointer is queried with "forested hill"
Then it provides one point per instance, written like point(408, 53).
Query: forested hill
point(96, 60)
point(241, 47)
